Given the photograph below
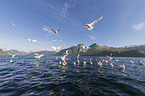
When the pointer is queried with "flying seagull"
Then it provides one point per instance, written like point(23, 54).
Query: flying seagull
point(14, 25)
point(38, 56)
point(90, 26)
point(31, 40)
point(56, 32)
point(57, 48)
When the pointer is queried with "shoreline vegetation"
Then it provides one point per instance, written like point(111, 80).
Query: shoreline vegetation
point(94, 50)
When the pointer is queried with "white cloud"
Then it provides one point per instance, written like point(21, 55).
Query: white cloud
point(92, 37)
point(57, 40)
point(47, 29)
point(139, 26)
point(64, 10)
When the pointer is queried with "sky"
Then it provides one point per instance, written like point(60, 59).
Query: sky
point(123, 23)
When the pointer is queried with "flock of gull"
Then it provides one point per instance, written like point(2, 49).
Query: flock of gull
point(64, 57)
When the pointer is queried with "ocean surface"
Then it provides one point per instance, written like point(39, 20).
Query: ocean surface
point(92, 76)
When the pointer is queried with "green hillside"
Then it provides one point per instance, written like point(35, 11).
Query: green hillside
point(2, 52)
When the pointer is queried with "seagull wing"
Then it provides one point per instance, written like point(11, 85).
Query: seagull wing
point(86, 25)
point(53, 47)
point(54, 31)
point(28, 39)
point(60, 47)
point(96, 21)
point(34, 40)
point(58, 30)
point(36, 54)
point(67, 52)
point(41, 55)
point(83, 46)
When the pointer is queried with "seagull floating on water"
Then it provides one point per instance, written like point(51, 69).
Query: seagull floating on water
point(12, 58)
point(56, 48)
point(31, 40)
point(56, 32)
point(90, 26)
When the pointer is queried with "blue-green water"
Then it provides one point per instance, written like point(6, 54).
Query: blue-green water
point(27, 76)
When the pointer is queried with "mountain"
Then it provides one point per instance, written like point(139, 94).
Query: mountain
point(140, 47)
point(131, 53)
point(46, 53)
point(97, 50)
point(2, 52)
point(74, 50)
point(16, 52)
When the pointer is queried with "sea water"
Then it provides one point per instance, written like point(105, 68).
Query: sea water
point(28, 76)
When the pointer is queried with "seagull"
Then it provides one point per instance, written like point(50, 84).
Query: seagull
point(109, 57)
point(78, 56)
point(14, 25)
point(38, 56)
point(57, 48)
point(90, 26)
point(56, 32)
point(11, 61)
point(12, 58)
point(64, 60)
point(121, 66)
point(85, 48)
point(31, 40)
point(67, 52)
point(111, 64)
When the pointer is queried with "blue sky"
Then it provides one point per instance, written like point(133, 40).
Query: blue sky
point(123, 23)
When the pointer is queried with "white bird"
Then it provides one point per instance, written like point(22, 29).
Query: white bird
point(84, 62)
point(100, 63)
point(11, 61)
point(38, 56)
point(111, 64)
point(67, 52)
point(85, 48)
point(78, 56)
point(56, 32)
point(78, 61)
point(63, 58)
point(74, 63)
point(59, 62)
point(31, 40)
point(13, 56)
point(57, 48)
point(131, 62)
point(90, 26)
point(14, 25)
point(121, 66)
point(109, 57)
